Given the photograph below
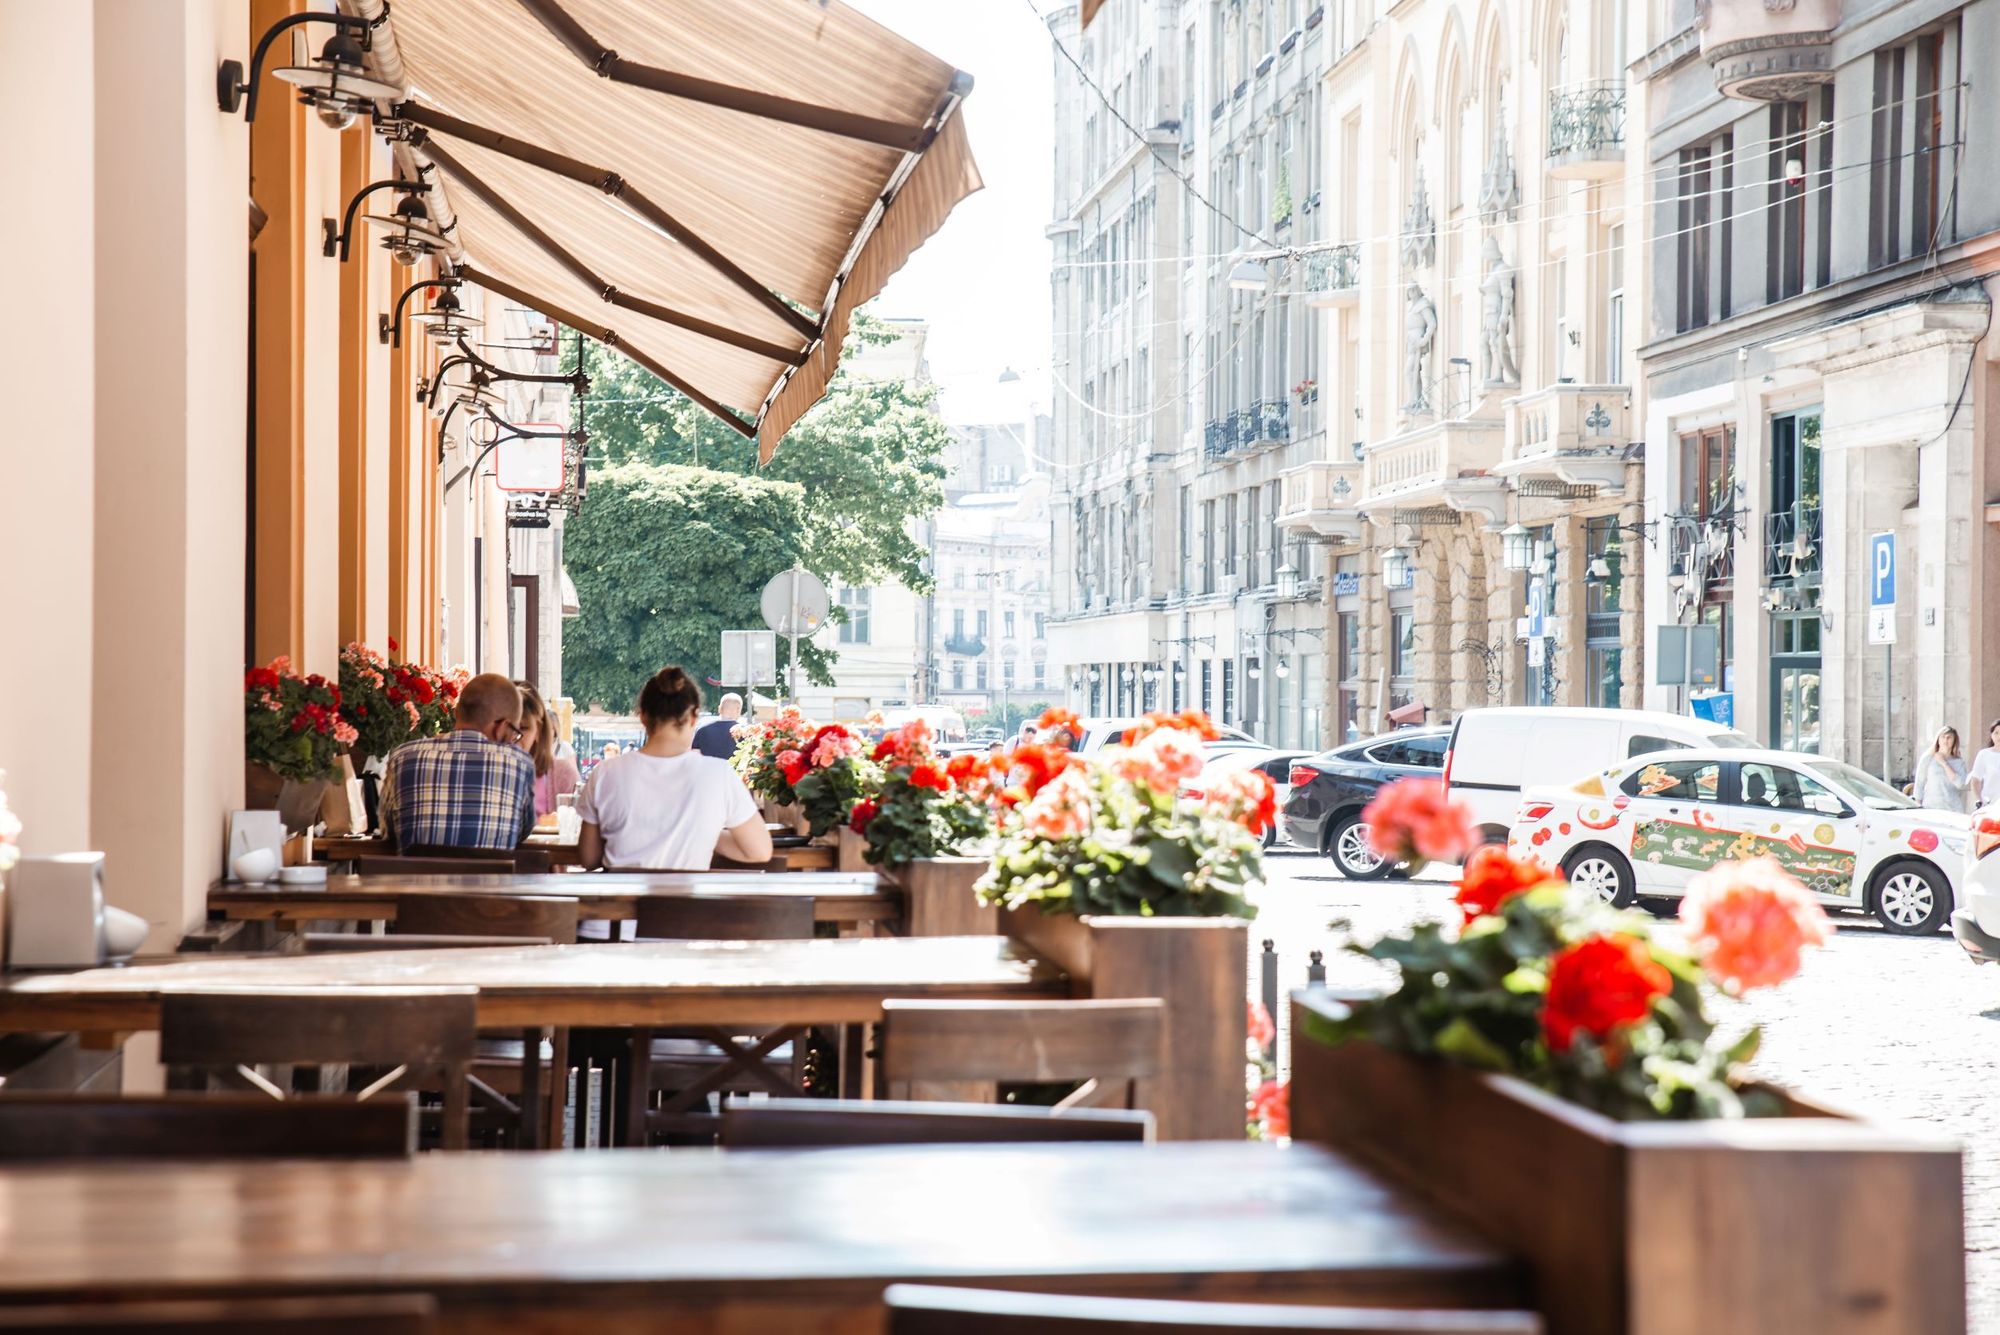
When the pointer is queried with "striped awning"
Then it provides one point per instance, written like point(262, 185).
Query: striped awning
point(712, 186)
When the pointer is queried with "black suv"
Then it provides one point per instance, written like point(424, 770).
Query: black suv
point(1329, 791)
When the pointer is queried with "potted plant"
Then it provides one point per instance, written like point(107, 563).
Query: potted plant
point(768, 753)
point(1550, 1048)
point(293, 737)
point(1107, 868)
point(924, 807)
point(829, 775)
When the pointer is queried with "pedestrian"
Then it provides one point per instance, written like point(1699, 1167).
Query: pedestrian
point(1985, 786)
point(717, 737)
point(1941, 776)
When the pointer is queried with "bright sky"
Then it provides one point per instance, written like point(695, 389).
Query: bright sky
point(983, 281)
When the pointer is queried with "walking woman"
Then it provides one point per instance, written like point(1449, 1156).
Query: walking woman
point(1941, 775)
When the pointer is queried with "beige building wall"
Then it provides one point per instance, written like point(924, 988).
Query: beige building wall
point(47, 468)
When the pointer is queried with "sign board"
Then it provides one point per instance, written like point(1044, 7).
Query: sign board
point(1715, 706)
point(749, 658)
point(1687, 656)
point(1346, 583)
point(1881, 588)
point(795, 603)
point(533, 462)
point(1538, 616)
point(1538, 651)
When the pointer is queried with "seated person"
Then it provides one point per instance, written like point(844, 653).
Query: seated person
point(555, 771)
point(474, 787)
point(665, 805)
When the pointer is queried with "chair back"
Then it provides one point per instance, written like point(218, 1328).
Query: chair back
point(824, 1123)
point(920, 1309)
point(40, 1127)
point(413, 1030)
point(456, 913)
point(527, 858)
point(1111, 1043)
point(378, 1314)
point(725, 917)
point(408, 865)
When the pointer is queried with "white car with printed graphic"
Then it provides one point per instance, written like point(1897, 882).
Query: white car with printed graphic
point(1652, 823)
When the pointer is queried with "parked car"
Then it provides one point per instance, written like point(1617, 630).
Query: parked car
point(1496, 754)
point(1976, 923)
point(1099, 733)
point(1276, 766)
point(1328, 792)
point(1649, 824)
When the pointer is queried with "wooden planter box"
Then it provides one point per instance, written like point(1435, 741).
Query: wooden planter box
point(1200, 969)
point(938, 898)
point(786, 814)
point(1815, 1223)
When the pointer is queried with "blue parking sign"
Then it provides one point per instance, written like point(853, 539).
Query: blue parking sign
point(1881, 588)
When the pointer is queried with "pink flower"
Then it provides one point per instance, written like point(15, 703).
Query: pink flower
point(1064, 808)
point(1262, 1032)
point(1415, 819)
point(832, 748)
point(1271, 1109)
point(1749, 921)
point(1243, 795)
point(1163, 759)
point(344, 733)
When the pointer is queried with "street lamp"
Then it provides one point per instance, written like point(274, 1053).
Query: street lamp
point(1396, 570)
point(1517, 548)
point(1288, 581)
point(1247, 275)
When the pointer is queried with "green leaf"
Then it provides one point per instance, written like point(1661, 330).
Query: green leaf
point(1461, 1041)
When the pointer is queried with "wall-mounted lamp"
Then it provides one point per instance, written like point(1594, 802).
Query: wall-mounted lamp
point(412, 234)
point(1288, 581)
point(389, 328)
point(337, 240)
point(1517, 548)
point(336, 85)
point(1247, 275)
point(446, 321)
point(1397, 572)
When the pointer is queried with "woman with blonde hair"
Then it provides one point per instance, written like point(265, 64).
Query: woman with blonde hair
point(555, 772)
point(1941, 777)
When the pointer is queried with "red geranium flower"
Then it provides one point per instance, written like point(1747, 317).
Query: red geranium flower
point(1038, 765)
point(1271, 1108)
point(795, 768)
point(1188, 720)
point(929, 776)
point(864, 812)
point(884, 748)
point(1414, 819)
point(1599, 985)
point(1492, 877)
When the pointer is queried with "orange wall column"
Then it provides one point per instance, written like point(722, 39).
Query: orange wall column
point(352, 616)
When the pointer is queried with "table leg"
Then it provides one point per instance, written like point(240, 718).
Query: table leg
point(531, 1089)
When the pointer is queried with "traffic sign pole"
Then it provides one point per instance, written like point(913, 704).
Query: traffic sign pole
point(1882, 624)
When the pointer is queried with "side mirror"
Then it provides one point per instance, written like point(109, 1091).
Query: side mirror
point(1827, 805)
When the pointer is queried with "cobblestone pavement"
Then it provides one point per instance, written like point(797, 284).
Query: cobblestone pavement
point(1900, 1026)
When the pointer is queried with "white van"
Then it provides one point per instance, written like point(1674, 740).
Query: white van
point(1495, 753)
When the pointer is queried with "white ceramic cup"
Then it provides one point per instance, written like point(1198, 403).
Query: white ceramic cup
point(255, 867)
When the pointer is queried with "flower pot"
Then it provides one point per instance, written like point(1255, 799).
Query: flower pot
point(938, 898)
point(1815, 1221)
point(261, 785)
point(788, 814)
point(296, 801)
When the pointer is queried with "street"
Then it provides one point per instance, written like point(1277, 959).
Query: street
point(1897, 1026)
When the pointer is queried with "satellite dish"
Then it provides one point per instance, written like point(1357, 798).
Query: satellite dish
point(795, 603)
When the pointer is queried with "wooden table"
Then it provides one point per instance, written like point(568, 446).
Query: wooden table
point(618, 1241)
point(847, 898)
point(347, 847)
point(664, 984)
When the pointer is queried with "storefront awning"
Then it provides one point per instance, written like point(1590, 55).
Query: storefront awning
point(712, 186)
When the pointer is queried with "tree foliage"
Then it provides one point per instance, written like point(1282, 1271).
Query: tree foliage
point(681, 518)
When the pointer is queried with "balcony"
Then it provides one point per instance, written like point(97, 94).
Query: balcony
point(1242, 430)
point(1587, 131)
point(1319, 499)
point(1770, 53)
point(1332, 277)
point(1569, 435)
point(966, 646)
point(1792, 547)
point(1273, 420)
point(1449, 463)
point(1216, 440)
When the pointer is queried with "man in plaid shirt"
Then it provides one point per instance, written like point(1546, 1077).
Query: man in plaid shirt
point(474, 787)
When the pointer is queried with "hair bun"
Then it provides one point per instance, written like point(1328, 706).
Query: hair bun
point(668, 697)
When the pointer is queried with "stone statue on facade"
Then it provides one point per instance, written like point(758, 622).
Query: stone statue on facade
point(1496, 318)
point(1419, 227)
point(1499, 184)
point(1420, 326)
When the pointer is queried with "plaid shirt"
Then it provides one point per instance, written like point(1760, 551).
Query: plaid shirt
point(461, 790)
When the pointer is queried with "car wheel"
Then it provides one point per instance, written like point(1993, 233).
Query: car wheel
point(1603, 872)
point(1912, 898)
point(1350, 852)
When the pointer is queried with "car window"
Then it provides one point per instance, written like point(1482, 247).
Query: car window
point(1682, 780)
point(1782, 788)
point(1279, 770)
point(1641, 744)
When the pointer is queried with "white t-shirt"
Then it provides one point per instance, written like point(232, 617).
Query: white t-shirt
point(1986, 769)
point(664, 811)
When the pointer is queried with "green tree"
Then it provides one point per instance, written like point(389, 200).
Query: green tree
point(665, 559)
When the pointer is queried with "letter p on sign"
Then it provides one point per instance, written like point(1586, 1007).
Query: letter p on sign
point(1882, 588)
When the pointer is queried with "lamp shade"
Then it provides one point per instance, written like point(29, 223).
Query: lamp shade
point(1396, 570)
point(1247, 275)
point(1288, 581)
point(1517, 548)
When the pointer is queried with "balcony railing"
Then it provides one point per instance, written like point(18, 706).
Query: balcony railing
point(1450, 463)
point(1587, 130)
point(1574, 434)
point(1242, 430)
point(1701, 547)
point(1274, 420)
point(1332, 277)
point(972, 646)
point(1792, 546)
point(1216, 440)
point(1320, 499)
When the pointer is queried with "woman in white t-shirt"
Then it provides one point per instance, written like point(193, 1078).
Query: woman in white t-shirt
point(1985, 783)
point(665, 805)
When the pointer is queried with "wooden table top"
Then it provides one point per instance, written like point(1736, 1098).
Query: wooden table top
point(347, 847)
point(637, 1226)
point(841, 897)
point(647, 983)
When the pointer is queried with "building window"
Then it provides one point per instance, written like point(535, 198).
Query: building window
point(1187, 537)
point(1253, 539)
point(1207, 685)
point(958, 577)
point(1603, 599)
point(1614, 307)
point(1007, 625)
point(1228, 692)
point(958, 674)
point(979, 675)
point(1007, 673)
point(1799, 219)
point(1701, 234)
point(1708, 472)
point(1229, 535)
point(1041, 675)
point(1208, 546)
point(859, 605)
point(958, 623)
point(1914, 125)
point(1402, 644)
point(1792, 529)
point(1041, 625)
point(980, 622)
